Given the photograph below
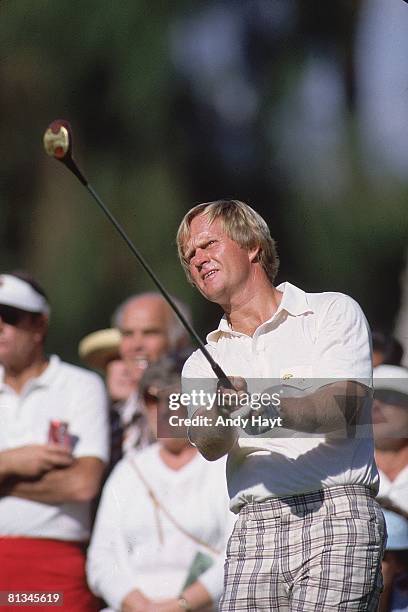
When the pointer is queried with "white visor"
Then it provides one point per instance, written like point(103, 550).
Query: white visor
point(393, 378)
point(19, 294)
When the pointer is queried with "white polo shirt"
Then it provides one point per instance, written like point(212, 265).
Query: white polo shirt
point(67, 393)
point(311, 335)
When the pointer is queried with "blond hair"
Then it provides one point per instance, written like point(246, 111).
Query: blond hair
point(242, 224)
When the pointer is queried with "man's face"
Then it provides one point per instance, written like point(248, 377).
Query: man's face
point(144, 327)
point(118, 380)
point(219, 267)
point(157, 403)
point(21, 334)
point(390, 422)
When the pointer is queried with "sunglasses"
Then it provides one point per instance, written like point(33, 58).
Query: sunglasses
point(389, 396)
point(154, 395)
point(11, 316)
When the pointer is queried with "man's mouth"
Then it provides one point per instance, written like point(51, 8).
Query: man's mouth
point(140, 362)
point(209, 274)
point(378, 418)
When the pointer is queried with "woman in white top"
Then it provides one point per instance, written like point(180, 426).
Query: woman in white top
point(163, 521)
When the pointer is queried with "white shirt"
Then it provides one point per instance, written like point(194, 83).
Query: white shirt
point(126, 552)
point(319, 336)
point(395, 490)
point(62, 392)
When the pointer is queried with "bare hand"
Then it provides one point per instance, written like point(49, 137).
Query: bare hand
point(135, 601)
point(33, 460)
point(230, 397)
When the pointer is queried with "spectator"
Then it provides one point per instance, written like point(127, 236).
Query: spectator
point(386, 349)
point(46, 488)
point(394, 597)
point(390, 422)
point(100, 350)
point(163, 513)
point(148, 329)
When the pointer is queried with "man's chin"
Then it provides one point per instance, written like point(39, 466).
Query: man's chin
point(136, 372)
point(212, 294)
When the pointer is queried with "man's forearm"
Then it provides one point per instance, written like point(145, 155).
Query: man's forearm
point(6, 470)
point(3, 471)
point(334, 407)
point(78, 483)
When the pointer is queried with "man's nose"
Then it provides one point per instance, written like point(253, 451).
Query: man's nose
point(377, 406)
point(136, 340)
point(200, 257)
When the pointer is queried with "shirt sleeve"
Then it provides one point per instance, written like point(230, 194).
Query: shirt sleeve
point(108, 570)
point(89, 426)
point(343, 348)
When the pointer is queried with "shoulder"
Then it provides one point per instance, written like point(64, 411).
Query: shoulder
point(72, 373)
point(127, 468)
point(145, 459)
point(334, 304)
point(327, 300)
point(197, 365)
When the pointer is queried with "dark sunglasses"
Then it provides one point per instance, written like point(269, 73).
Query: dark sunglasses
point(11, 316)
point(389, 396)
point(151, 397)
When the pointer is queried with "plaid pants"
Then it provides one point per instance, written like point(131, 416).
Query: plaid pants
point(313, 552)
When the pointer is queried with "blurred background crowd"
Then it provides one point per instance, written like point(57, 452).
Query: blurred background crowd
point(297, 106)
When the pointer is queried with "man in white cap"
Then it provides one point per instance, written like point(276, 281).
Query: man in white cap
point(390, 422)
point(46, 487)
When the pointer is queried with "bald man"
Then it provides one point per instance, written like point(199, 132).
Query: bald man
point(149, 329)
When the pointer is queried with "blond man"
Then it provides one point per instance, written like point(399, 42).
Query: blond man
point(309, 534)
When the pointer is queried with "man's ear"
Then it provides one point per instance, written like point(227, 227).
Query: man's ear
point(42, 327)
point(254, 254)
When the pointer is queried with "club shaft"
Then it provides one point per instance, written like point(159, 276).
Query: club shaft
point(218, 371)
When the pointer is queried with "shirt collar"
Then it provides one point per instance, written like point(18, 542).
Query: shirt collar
point(44, 379)
point(294, 301)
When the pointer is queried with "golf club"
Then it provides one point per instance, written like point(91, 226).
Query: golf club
point(58, 144)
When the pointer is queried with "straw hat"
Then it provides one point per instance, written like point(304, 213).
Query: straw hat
point(100, 347)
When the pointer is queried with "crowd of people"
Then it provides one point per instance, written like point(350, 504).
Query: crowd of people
point(107, 507)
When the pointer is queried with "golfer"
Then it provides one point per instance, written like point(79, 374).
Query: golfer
point(309, 535)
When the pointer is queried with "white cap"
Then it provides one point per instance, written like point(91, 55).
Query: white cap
point(20, 294)
point(391, 377)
